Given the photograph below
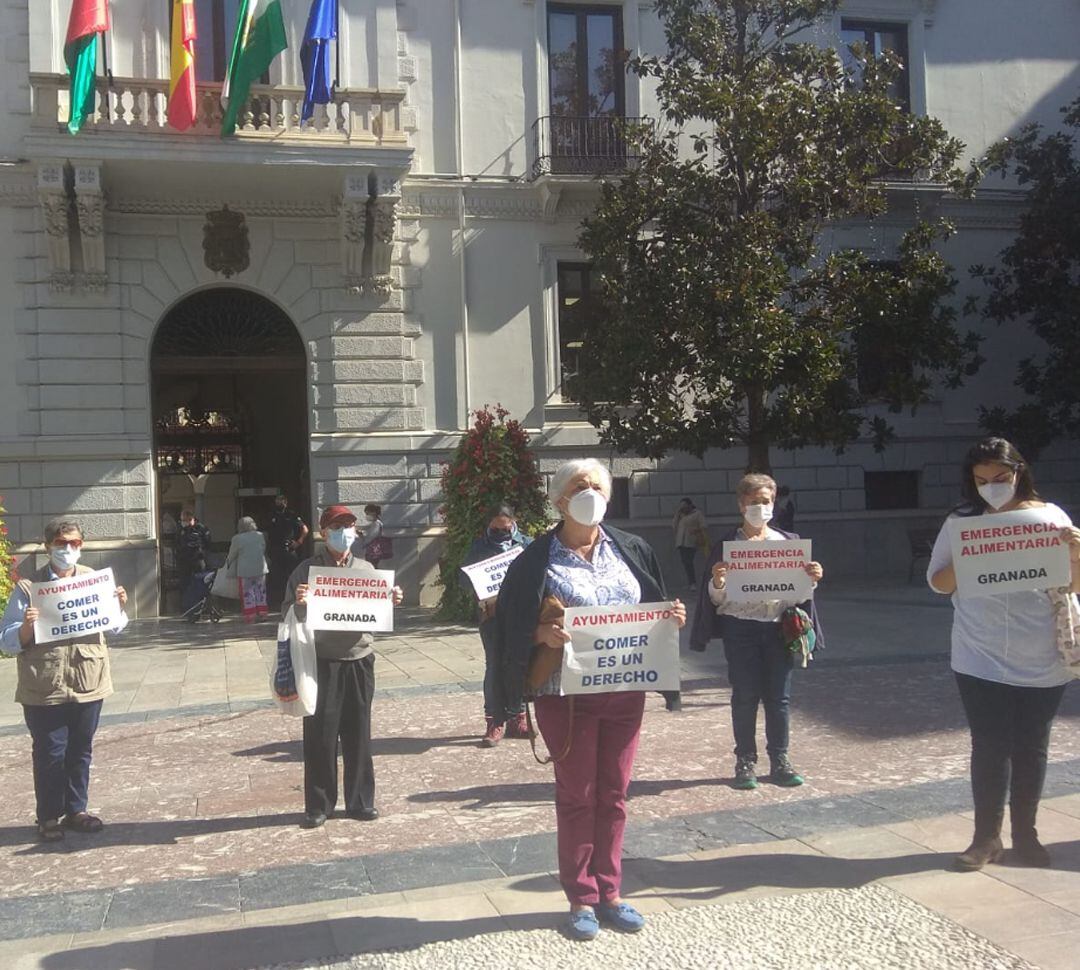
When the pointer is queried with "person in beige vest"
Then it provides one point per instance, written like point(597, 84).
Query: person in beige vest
point(61, 686)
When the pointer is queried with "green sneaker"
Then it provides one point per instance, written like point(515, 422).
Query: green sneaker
point(745, 777)
point(783, 774)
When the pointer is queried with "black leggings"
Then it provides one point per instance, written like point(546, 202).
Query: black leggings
point(1010, 734)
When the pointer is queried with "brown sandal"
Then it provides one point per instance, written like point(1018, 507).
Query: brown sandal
point(83, 822)
point(50, 831)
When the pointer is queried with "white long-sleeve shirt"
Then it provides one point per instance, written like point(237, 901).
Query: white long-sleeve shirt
point(1008, 638)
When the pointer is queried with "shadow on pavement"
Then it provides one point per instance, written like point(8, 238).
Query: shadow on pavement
point(165, 832)
point(281, 752)
point(482, 796)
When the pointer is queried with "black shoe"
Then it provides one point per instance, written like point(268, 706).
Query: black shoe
point(673, 700)
point(783, 774)
point(365, 814)
point(313, 820)
point(1027, 850)
point(980, 853)
point(745, 777)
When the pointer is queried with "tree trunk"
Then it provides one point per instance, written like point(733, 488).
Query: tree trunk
point(757, 437)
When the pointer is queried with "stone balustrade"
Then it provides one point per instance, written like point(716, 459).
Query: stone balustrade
point(355, 117)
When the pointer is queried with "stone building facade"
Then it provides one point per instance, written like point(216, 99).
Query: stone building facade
point(196, 320)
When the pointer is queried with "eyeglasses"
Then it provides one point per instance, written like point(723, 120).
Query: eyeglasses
point(64, 543)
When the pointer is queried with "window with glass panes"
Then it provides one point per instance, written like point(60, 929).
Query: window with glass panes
point(878, 37)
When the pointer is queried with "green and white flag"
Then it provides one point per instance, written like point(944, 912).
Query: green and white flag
point(260, 37)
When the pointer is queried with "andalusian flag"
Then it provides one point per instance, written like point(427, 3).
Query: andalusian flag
point(88, 19)
point(260, 37)
point(181, 107)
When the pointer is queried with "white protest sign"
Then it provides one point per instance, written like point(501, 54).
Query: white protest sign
point(629, 647)
point(759, 571)
point(79, 606)
point(350, 599)
point(487, 576)
point(1006, 552)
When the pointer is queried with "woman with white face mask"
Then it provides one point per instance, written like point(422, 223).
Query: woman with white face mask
point(1009, 672)
point(582, 563)
point(61, 685)
point(759, 663)
point(345, 672)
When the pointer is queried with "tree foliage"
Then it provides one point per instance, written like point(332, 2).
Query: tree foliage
point(492, 463)
point(1038, 281)
point(8, 577)
point(719, 321)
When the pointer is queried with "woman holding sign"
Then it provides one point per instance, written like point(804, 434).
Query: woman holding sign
point(580, 563)
point(759, 661)
point(345, 671)
point(61, 681)
point(503, 714)
point(1005, 653)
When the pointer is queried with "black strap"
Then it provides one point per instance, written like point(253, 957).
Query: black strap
point(533, 733)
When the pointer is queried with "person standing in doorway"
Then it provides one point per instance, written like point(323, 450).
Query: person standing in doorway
point(61, 686)
point(286, 537)
point(691, 534)
point(345, 672)
point(192, 545)
point(370, 544)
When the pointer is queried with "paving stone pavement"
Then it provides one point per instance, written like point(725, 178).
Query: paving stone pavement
point(202, 864)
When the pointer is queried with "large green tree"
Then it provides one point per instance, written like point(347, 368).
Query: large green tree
point(1038, 282)
point(721, 320)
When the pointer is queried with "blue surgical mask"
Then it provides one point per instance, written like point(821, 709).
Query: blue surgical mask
point(340, 540)
point(64, 557)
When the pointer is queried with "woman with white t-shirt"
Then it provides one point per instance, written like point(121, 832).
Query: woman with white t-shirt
point(1008, 669)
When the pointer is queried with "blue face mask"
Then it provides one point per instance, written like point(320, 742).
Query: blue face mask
point(341, 539)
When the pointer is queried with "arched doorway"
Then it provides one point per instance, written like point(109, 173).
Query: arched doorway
point(229, 407)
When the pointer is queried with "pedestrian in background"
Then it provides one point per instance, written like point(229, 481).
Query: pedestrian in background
point(691, 534)
point(1006, 660)
point(371, 544)
point(286, 537)
point(503, 714)
point(61, 686)
point(581, 563)
point(784, 518)
point(759, 662)
point(247, 561)
point(345, 672)
point(192, 545)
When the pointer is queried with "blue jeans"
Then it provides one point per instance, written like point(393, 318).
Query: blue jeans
point(759, 669)
point(63, 739)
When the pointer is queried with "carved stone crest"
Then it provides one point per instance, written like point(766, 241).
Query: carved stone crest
point(226, 247)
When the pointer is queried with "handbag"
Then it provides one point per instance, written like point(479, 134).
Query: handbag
point(379, 548)
point(294, 684)
point(797, 633)
point(226, 584)
point(1066, 613)
point(543, 662)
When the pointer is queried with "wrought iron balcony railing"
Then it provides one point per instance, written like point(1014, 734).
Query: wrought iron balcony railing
point(136, 106)
point(564, 145)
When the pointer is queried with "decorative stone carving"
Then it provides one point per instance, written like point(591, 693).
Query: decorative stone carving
point(226, 247)
point(90, 208)
point(384, 223)
point(55, 206)
point(353, 232)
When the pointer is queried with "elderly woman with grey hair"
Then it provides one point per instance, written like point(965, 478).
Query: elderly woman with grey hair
point(61, 686)
point(581, 563)
point(247, 559)
point(759, 663)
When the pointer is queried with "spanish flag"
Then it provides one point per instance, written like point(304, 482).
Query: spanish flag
point(88, 19)
point(181, 108)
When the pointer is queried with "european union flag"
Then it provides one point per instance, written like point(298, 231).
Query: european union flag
point(315, 55)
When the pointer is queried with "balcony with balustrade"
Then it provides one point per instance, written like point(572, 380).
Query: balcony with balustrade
point(358, 125)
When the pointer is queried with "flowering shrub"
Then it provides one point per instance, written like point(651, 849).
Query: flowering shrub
point(7, 561)
point(493, 463)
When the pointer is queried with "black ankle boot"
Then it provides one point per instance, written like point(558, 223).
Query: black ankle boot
point(981, 852)
point(1027, 850)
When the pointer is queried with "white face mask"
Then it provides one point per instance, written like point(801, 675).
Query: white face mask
point(587, 507)
point(341, 540)
point(758, 515)
point(997, 494)
point(64, 557)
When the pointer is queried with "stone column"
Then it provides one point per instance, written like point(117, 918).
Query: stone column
point(90, 207)
point(384, 225)
point(354, 219)
point(53, 197)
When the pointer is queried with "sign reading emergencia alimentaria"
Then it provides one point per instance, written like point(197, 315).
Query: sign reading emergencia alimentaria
point(770, 570)
point(1006, 552)
point(350, 599)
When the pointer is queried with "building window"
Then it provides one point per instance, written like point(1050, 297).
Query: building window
point(878, 363)
point(878, 37)
point(891, 490)
point(586, 75)
point(215, 22)
point(619, 503)
point(575, 295)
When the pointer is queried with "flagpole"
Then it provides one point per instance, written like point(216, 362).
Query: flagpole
point(107, 74)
